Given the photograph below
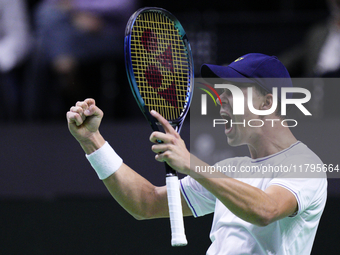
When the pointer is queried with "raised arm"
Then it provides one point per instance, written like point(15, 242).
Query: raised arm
point(133, 192)
point(245, 201)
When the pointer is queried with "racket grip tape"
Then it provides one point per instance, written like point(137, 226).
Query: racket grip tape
point(175, 211)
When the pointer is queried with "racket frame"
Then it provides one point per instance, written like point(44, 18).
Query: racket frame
point(177, 123)
point(173, 191)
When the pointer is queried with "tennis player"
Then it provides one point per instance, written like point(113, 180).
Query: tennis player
point(272, 215)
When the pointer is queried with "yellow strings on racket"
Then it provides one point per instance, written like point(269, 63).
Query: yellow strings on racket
point(158, 50)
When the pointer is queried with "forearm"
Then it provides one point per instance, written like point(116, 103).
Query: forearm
point(92, 143)
point(133, 192)
point(245, 201)
point(136, 194)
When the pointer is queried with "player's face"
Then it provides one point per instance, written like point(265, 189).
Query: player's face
point(237, 129)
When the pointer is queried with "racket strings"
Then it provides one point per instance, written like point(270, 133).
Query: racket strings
point(160, 64)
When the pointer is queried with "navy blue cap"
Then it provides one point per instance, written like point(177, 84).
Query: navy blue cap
point(252, 68)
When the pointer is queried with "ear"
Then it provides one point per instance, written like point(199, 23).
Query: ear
point(267, 102)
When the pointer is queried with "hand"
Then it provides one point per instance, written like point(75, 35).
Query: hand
point(84, 120)
point(172, 149)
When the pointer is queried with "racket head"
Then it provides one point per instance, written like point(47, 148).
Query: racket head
point(159, 65)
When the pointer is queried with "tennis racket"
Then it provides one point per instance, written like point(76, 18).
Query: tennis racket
point(159, 67)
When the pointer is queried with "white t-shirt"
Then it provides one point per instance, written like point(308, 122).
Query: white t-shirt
point(291, 235)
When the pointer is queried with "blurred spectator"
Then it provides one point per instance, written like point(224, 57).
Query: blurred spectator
point(319, 53)
point(72, 34)
point(15, 41)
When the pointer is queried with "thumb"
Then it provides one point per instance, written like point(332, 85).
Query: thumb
point(88, 112)
point(93, 110)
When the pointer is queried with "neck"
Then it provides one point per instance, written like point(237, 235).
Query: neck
point(270, 141)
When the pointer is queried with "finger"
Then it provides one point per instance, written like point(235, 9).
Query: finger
point(162, 157)
point(160, 148)
point(79, 110)
point(83, 105)
point(157, 137)
point(74, 118)
point(86, 104)
point(90, 101)
point(92, 108)
point(165, 124)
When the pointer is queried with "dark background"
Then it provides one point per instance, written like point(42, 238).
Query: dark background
point(51, 201)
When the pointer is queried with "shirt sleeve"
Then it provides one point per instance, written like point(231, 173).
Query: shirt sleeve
point(199, 200)
point(306, 191)
point(309, 192)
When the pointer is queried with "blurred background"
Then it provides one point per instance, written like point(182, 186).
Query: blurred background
point(54, 53)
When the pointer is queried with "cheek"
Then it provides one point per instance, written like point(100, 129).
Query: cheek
point(247, 114)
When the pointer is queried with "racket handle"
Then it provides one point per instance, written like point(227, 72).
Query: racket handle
point(175, 210)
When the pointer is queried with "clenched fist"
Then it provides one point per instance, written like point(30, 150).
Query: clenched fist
point(83, 122)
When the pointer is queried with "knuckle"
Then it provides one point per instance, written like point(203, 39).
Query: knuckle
point(74, 108)
point(171, 147)
point(173, 140)
point(166, 154)
point(79, 109)
point(90, 100)
point(75, 115)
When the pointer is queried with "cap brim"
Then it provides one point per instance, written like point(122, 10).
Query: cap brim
point(224, 72)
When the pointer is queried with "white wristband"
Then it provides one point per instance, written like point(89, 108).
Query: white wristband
point(105, 161)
